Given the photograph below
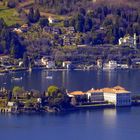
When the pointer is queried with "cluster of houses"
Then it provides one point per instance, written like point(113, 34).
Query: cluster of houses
point(113, 65)
point(67, 34)
point(51, 64)
point(6, 63)
point(117, 95)
point(69, 39)
point(13, 106)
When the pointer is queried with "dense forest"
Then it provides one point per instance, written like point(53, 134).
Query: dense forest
point(99, 22)
point(10, 42)
point(64, 6)
point(107, 23)
point(104, 22)
point(67, 6)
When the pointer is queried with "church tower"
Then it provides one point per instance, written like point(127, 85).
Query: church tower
point(135, 40)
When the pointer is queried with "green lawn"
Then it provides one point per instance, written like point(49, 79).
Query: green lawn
point(9, 15)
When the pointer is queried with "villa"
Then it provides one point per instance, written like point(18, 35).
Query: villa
point(67, 64)
point(119, 96)
point(95, 95)
point(48, 63)
point(76, 93)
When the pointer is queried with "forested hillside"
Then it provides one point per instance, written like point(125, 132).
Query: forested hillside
point(66, 6)
point(97, 24)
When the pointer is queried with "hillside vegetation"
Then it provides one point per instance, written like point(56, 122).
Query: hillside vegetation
point(11, 16)
point(97, 24)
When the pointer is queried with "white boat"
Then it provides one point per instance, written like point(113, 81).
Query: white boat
point(17, 78)
point(2, 74)
point(49, 77)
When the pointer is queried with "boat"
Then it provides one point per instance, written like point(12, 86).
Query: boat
point(17, 78)
point(2, 74)
point(49, 77)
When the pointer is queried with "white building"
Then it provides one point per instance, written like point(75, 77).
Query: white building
point(44, 60)
point(76, 94)
point(39, 100)
point(52, 20)
point(95, 95)
point(111, 65)
point(20, 63)
point(123, 66)
point(118, 96)
point(17, 30)
point(99, 63)
point(47, 63)
point(50, 64)
point(127, 40)
point(66, 64)
point(11, 104)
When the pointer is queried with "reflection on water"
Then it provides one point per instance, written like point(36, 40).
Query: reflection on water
point(110, 116)
point(102, 124)
point(74, 80)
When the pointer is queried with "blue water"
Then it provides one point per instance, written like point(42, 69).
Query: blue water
point(74, 80)
point(99, 124)
point(111, 124)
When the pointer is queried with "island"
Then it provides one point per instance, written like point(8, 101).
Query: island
point(54, 99)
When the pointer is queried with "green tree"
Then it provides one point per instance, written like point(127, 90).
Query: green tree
point(57, 97)
point(2, 24)
point(66, 23)
point(52, 91)
point(17, 91)
point(88, 24)
point(31, 15)
point(79, 23)
point(11, 4)
point(25, 60)
point(9, 96)
point(43, 22)
point(36, 15)
point(82, 11)
point(16, 48)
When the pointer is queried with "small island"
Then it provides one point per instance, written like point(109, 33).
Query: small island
point(56, 99)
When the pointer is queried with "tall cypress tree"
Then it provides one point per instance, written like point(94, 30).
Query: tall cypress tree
point(36, 15)
point(31, 15)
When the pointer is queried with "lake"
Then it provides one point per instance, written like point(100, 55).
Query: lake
point(97, 124)
point(74, 80)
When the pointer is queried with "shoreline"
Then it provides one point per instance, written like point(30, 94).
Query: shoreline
point(44, 68)
point(22, 111)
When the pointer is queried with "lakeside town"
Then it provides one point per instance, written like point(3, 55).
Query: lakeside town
point(12, 65)
point(59, 100)
point(104, 38)
point(69, 69)
point(40, 35)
